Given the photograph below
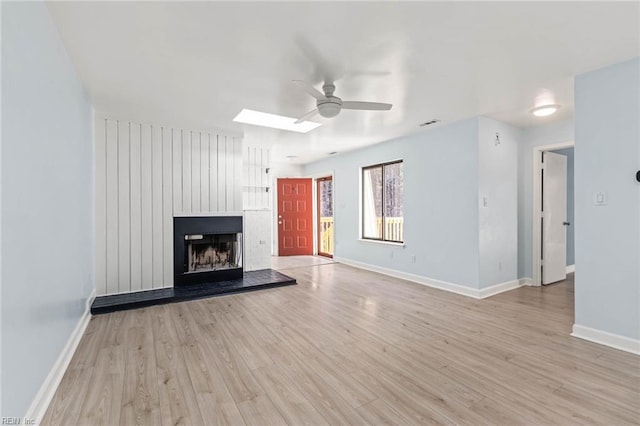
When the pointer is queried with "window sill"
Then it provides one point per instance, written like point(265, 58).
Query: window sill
point(387, 243)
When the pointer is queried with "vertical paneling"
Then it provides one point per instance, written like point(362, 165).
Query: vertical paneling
point(245, 177)
point(167, 207)
point(146, 174)
point(187, 142)
point(222, 170)
point(204, 172)
point(124, 212)
point(101, 205)
point(156, 206)
point(177, 169)
point(147, 225)
point(229, 174)
point(237, 174)
point(135, 151)
point(196, 150)
point(213, 175)
point(112, 199)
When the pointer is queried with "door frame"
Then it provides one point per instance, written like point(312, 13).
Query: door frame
point(315, 177)
point(536, 279)
point(317, 215)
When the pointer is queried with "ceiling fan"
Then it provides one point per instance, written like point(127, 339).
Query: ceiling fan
point(329, 105)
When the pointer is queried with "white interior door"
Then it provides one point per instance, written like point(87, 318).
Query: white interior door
point(554, 217)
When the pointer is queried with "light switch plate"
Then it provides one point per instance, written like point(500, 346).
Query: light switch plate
point(600, 198)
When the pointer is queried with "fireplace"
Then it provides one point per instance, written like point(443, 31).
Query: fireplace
point(207, 249)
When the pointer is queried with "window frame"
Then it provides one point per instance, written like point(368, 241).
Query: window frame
point(362, 190)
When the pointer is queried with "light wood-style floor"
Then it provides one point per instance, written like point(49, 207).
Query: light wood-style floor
point(347, 346)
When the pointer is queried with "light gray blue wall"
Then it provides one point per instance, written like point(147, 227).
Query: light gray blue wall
point(556, 132)
point(568, 152)
point(441, 203)
point(498, 218)
point(607, 156)
point(47, 201)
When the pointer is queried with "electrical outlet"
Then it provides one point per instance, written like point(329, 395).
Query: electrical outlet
point(391, 254)
point(413, 259)
point(499, 266)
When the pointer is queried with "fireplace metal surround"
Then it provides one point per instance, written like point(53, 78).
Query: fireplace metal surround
point(203, 225)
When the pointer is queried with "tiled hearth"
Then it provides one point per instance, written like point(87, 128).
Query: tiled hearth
point(253, 280)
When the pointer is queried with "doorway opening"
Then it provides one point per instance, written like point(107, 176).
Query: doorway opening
point(325, 225)
point(553, 205)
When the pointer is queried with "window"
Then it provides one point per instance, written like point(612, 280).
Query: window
point(382, 202)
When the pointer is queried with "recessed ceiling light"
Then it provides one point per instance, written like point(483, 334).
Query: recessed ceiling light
point(273, 121)
point(290, 157)
point(545, 110)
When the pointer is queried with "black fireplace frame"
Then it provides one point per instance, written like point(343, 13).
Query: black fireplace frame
point(188, 225)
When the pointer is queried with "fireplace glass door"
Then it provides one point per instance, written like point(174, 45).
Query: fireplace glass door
point(212, 252)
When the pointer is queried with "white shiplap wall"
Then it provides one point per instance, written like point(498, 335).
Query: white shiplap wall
point(146, 175)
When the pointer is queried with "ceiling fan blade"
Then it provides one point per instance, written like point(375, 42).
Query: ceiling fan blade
point(306, 116)
point(325, 67)
point(310, 90)
point(370, 106)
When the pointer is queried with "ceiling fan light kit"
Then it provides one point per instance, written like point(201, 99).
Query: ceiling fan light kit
point(328, 105)
point(329, 109)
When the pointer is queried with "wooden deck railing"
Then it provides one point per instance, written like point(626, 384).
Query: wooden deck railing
point(393, 231)
point(393, 228)
point(326, 235)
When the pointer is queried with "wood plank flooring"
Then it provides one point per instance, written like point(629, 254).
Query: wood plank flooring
point(347, 346)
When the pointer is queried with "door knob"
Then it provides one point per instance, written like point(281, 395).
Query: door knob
point(279, 222)
point(566, 223)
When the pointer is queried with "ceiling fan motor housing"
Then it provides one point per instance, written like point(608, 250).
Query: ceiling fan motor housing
point(330, 107)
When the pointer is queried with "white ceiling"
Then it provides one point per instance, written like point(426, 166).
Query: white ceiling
point(200, 63)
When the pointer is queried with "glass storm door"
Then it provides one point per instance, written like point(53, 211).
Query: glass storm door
point(325, 216)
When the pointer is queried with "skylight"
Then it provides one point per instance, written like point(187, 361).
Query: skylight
point(258, 118)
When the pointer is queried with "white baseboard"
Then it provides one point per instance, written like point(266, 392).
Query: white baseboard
point(615, 341)
point(431, 282)
point(498, 288)
point(571, 268)
point(44, 396)
point(526, 281)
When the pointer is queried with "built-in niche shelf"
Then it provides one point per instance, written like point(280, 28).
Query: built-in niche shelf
point(256, 182)
point(256, 188)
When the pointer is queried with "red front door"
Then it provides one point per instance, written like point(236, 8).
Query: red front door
point(295, 229)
